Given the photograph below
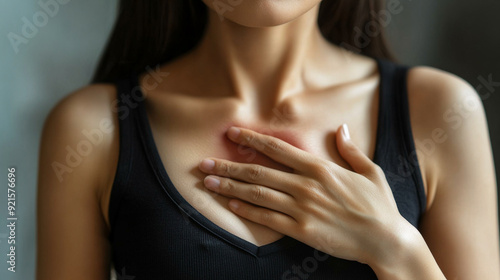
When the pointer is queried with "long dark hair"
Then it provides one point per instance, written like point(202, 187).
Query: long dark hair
point(147, 33)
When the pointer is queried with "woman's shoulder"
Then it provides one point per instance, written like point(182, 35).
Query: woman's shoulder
point(84, 106)
point(78, 152)
point(84, 110)
point(92, 96)
point(438, 99)
point(79, 140)
point(438, 85)
point(445, 111)
point(435, 96)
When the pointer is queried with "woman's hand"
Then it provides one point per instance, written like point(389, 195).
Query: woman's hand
point(350, 215)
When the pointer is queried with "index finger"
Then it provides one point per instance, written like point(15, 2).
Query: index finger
point(273, 147)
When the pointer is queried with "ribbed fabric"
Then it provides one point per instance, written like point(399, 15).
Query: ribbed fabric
point(156, 234)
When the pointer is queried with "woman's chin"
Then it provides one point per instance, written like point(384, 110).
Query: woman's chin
point(260, 13)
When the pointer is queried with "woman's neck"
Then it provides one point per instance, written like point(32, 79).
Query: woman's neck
point(262, 66)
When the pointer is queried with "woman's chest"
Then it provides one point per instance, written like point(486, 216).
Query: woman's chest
point(186, 134)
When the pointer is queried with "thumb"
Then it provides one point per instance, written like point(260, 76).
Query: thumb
point(359, 162)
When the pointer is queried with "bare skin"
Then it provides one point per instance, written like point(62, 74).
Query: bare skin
point(298, 88)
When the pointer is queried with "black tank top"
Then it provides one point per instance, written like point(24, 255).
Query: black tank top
point(156, 234)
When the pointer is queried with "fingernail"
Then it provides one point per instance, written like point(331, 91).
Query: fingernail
point(345, 130)
point(234, 204)
point(207, 164)
point(233, 133)
point(212, 183)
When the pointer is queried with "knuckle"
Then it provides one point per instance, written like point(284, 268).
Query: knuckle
point(273, 146)
point(228, 186)
point(258, 144)
point(249, 139)
point(313, 196)
point(323, 171)
point(305, 228)
point(377, 170)
point(310, 183)
point(304, 188)
point(226, 169)
point(306, 207)
point(312, 209)
point(255, 173)
point(257, 193)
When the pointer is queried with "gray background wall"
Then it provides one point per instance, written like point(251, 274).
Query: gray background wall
point(59, 58)
point(458, 36)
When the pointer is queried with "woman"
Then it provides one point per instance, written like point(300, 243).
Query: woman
point(239, 140)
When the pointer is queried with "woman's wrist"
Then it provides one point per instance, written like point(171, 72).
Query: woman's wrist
point(388, 242)
point(404, 254)
point(394, 249)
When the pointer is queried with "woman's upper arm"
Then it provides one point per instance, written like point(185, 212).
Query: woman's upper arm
point(72, 233)
point(460, 225)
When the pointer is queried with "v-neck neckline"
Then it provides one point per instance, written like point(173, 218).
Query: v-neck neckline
point(170, 189)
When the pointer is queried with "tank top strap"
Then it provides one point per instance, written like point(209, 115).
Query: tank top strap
point(126, 104)
point(392, 87)
point(395, 151)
